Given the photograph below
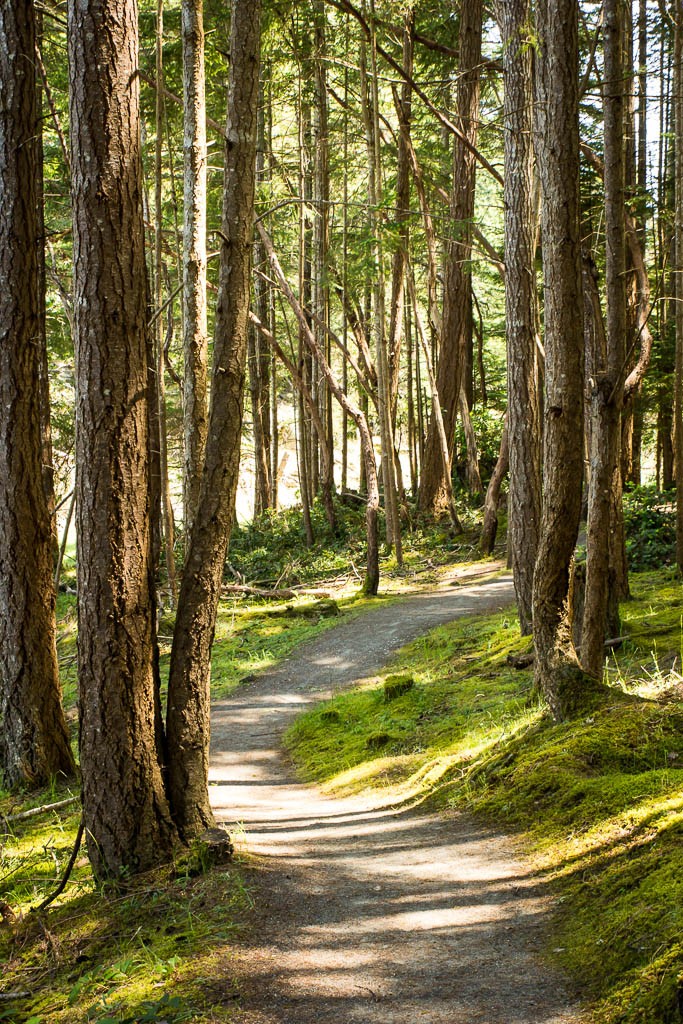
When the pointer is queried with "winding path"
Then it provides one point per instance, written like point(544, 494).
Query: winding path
point(365, 914)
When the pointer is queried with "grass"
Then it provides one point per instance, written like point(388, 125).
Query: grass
point(597, 802)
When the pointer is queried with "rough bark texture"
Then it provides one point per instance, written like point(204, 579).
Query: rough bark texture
point(678, 405)
point(524, 506)
point(195, 343)
point(558, 158)
point(607, 389)
point(126, 811)
point(33, 738)
point(188, 694)
point(457, 306)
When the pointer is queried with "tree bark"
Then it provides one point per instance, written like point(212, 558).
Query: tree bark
point(189, 676)
point(127, 820)
point(490, 525)
point(457, 307)
point(34, 744)
point(607, 388)
point(558, 158)
point(195, 340)
point(524, 423)
point(678, 248)
point(166, 505)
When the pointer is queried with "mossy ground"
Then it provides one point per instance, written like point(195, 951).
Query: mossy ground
point(598, 801)
point(148, 952)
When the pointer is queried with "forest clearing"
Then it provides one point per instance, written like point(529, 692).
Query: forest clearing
point(341, 511)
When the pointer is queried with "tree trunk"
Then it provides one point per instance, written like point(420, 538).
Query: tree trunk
point(370, 104)
point(195, 341)
point(678, 157)
point(189, 675)
point(457, 308)
point(127, 820)
point(258, 356)
point(607, 391)
point(490, 525)
point(166, 506)
point(558, 158)
point(34, 744)
point(321, 246)
point(524, 501)
point(402, 215)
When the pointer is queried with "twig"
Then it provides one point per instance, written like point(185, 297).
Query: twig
point(69, 868)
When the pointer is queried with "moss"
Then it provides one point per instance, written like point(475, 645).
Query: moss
point(597, 798)
point(397, 686)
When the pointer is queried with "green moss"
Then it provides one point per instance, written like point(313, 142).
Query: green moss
point(597, 799)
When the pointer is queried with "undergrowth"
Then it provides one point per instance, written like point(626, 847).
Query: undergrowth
point(598, 801)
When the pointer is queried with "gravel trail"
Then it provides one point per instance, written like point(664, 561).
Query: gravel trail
point(366, 914)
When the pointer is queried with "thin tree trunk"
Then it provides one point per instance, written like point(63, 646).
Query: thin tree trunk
point(489, 528)
point(190, 669)
point(195, 340)
point(166, 506)
point(120, 729)
point(558, 158)
point(370, 103)
point(400, 258)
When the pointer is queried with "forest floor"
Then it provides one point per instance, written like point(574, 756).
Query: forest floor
point(364, 911)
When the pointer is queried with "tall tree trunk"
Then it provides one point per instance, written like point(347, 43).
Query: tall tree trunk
point(258, 355)
point(127, 820)
point(34, 742)
point(678, 158)
point(524, 425)
point(457, 309)
point(190, 670)
point(607, 391)
point(166, 506)
point(402, 215)
point(370, 103)
point(558, 158)
point(321, 247)
point(195, 341)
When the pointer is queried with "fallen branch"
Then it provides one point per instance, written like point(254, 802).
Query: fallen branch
point(277, 594)
point(35, 811)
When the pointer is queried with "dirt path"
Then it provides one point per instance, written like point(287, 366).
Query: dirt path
point(366, 915)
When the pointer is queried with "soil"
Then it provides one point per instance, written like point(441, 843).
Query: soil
point(369, 914)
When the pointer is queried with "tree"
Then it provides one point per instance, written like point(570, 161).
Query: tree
point(34, 744)
point(195, 343)
point(607, 388)
point(558, 160)
point(127, 818)
point(457, 305)
point(188, 690)
point(524, 427)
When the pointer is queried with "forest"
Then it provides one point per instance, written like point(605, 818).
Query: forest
point(341, 443)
